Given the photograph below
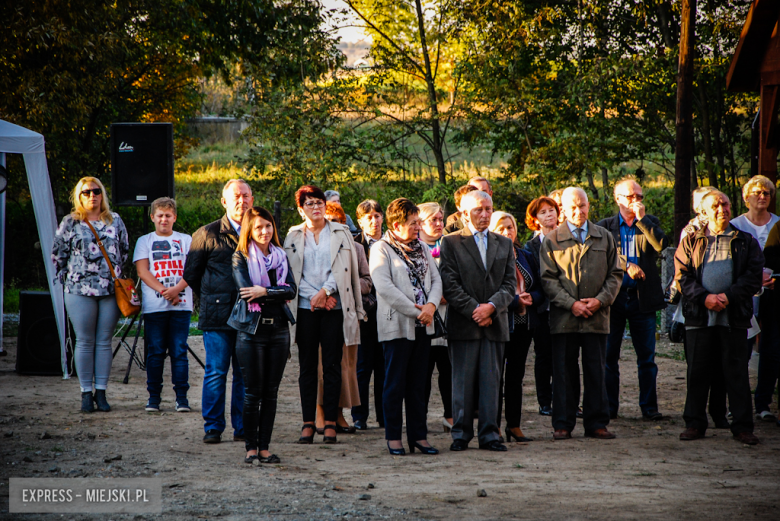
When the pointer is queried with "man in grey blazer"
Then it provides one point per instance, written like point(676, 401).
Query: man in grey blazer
point(478, 275)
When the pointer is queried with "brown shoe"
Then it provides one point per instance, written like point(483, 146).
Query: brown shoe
point(748, 438)
point(690, 434)
point(562, 434)
point(600, 434)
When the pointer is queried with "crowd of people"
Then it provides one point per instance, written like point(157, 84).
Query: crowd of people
point(405, 293)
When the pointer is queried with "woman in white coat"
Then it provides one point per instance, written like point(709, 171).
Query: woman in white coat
point(327, 308)
point(408, 288)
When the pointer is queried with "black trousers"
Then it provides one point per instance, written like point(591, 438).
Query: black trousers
point(512, 374)
point(710, 348)
point(595, 406)
point(371, 359)
point(440, 357)
point(543, 366)
point(315, 329)
point(262, 357)
point(406, 366)
point(717, 404)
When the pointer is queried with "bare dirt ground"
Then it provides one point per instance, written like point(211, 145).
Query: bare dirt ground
point(645, 473)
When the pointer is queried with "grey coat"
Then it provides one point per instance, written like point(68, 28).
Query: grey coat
point(396, 312)
point(468, 284)
point(573, 271)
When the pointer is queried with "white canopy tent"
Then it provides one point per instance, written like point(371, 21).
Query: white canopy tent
point(18, 140)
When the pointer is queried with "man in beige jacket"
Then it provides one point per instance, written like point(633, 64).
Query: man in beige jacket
point(581, 276)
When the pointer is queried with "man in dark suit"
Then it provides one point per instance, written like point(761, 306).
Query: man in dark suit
point(478, 274)
point(581, 276)
point(639, 240)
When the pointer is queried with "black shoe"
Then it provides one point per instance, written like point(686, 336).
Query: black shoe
point(579, 412)
point(495, 446)
point(459, 445)
point(396, 452)
point(345, 430)
point(545, 410)
point(425, 450)
point(87, 404)
point(250, 459)
point(360, 425)
point(652, 415)
point(329, 439)
point(273, 458)
point(212, 436)
point(100, 400)
point(307, 440)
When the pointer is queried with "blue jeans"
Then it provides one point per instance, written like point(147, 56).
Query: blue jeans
point(220, 352)
point(166, 334)
point(642, 327)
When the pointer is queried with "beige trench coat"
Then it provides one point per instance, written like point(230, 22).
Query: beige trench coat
point(344, 265)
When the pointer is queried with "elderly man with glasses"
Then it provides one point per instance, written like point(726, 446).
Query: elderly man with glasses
point(639, 240)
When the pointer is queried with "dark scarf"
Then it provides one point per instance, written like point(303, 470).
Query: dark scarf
point(412, 254)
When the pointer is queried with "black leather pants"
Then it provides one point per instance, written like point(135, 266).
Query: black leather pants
point(262, 357)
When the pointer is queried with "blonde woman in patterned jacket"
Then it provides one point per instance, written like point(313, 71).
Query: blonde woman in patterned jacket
point(89, 290)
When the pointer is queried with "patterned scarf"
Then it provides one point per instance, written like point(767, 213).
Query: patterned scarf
point(415, 259)
point(260, 265)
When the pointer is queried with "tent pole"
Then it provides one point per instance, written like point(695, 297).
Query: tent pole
point(2, 253)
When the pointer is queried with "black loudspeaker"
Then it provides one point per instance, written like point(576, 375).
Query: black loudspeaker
point(38, 344)
point(141, 163)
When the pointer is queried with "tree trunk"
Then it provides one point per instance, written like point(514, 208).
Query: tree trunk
point(684, 142)
point(438, 145)
point(665, 25)
point(706, 136)
point(591, 184)
point(605, 182)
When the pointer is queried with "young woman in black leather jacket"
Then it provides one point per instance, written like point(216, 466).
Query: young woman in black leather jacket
point(260, 315)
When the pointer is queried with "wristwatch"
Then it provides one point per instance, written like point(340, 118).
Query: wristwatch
point(328, 292)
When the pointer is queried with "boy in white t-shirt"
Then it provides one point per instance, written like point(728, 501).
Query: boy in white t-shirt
point(167, 303)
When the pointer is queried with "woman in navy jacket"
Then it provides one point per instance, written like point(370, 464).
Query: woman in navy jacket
point(523, 320)
point(260, 315)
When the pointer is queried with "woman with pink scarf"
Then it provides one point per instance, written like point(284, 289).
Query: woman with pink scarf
point(261, 317)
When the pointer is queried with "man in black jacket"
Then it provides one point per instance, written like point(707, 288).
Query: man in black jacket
point(209, 273)
point(640, 240)
point(719, 269)
point(371, 359)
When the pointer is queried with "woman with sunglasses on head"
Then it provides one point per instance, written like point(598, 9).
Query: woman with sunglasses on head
point(261, 317)
point(758, 221)
point(431, 231)
point(523, 321)
point(89, 289)
point(327, 308)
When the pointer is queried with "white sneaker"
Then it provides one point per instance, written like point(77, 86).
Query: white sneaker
point(152, 407)
point(766, 416)
point(182, 407)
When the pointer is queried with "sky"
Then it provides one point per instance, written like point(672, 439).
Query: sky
point(348, 34)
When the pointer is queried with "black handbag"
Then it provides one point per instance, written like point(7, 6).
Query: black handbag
point(440, 331)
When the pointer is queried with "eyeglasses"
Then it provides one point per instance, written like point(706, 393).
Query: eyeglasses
point(633, 197)
point(761, 193)
point(94, 191)
point(314, 204)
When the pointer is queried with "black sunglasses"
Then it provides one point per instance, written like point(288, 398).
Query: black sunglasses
point(93, 191)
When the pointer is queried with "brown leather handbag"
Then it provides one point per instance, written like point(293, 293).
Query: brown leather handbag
point(124, 289)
